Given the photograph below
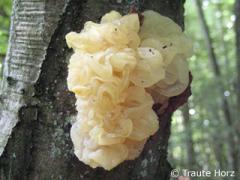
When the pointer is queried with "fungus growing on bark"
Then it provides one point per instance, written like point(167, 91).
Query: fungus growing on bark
point(117, 71)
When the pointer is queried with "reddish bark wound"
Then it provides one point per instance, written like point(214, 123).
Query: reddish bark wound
point(175, 102)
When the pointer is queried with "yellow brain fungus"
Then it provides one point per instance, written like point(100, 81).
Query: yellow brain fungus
point(116, 71)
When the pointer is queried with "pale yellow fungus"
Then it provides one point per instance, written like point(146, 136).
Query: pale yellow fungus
point(117, 71)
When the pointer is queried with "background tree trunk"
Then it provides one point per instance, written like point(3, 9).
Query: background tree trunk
point(34, 92)
point(237, 30)
point(237, 34)
point(232, 131)
point(191, 161)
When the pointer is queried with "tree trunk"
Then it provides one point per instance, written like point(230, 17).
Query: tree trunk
point(218, 75)
point(191, 161)
point(35, 96)
point(218, 148)
point(237, 31)
point(223, 44)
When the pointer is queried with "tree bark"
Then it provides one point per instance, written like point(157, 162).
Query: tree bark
point(218, 75)
point(35, 96)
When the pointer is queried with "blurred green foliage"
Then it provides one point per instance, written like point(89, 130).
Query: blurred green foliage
point(5, 13)
point(206, 118)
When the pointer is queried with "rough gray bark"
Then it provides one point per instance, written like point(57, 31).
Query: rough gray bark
point(36, 95)
point(218, 75)
point(33, 24)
